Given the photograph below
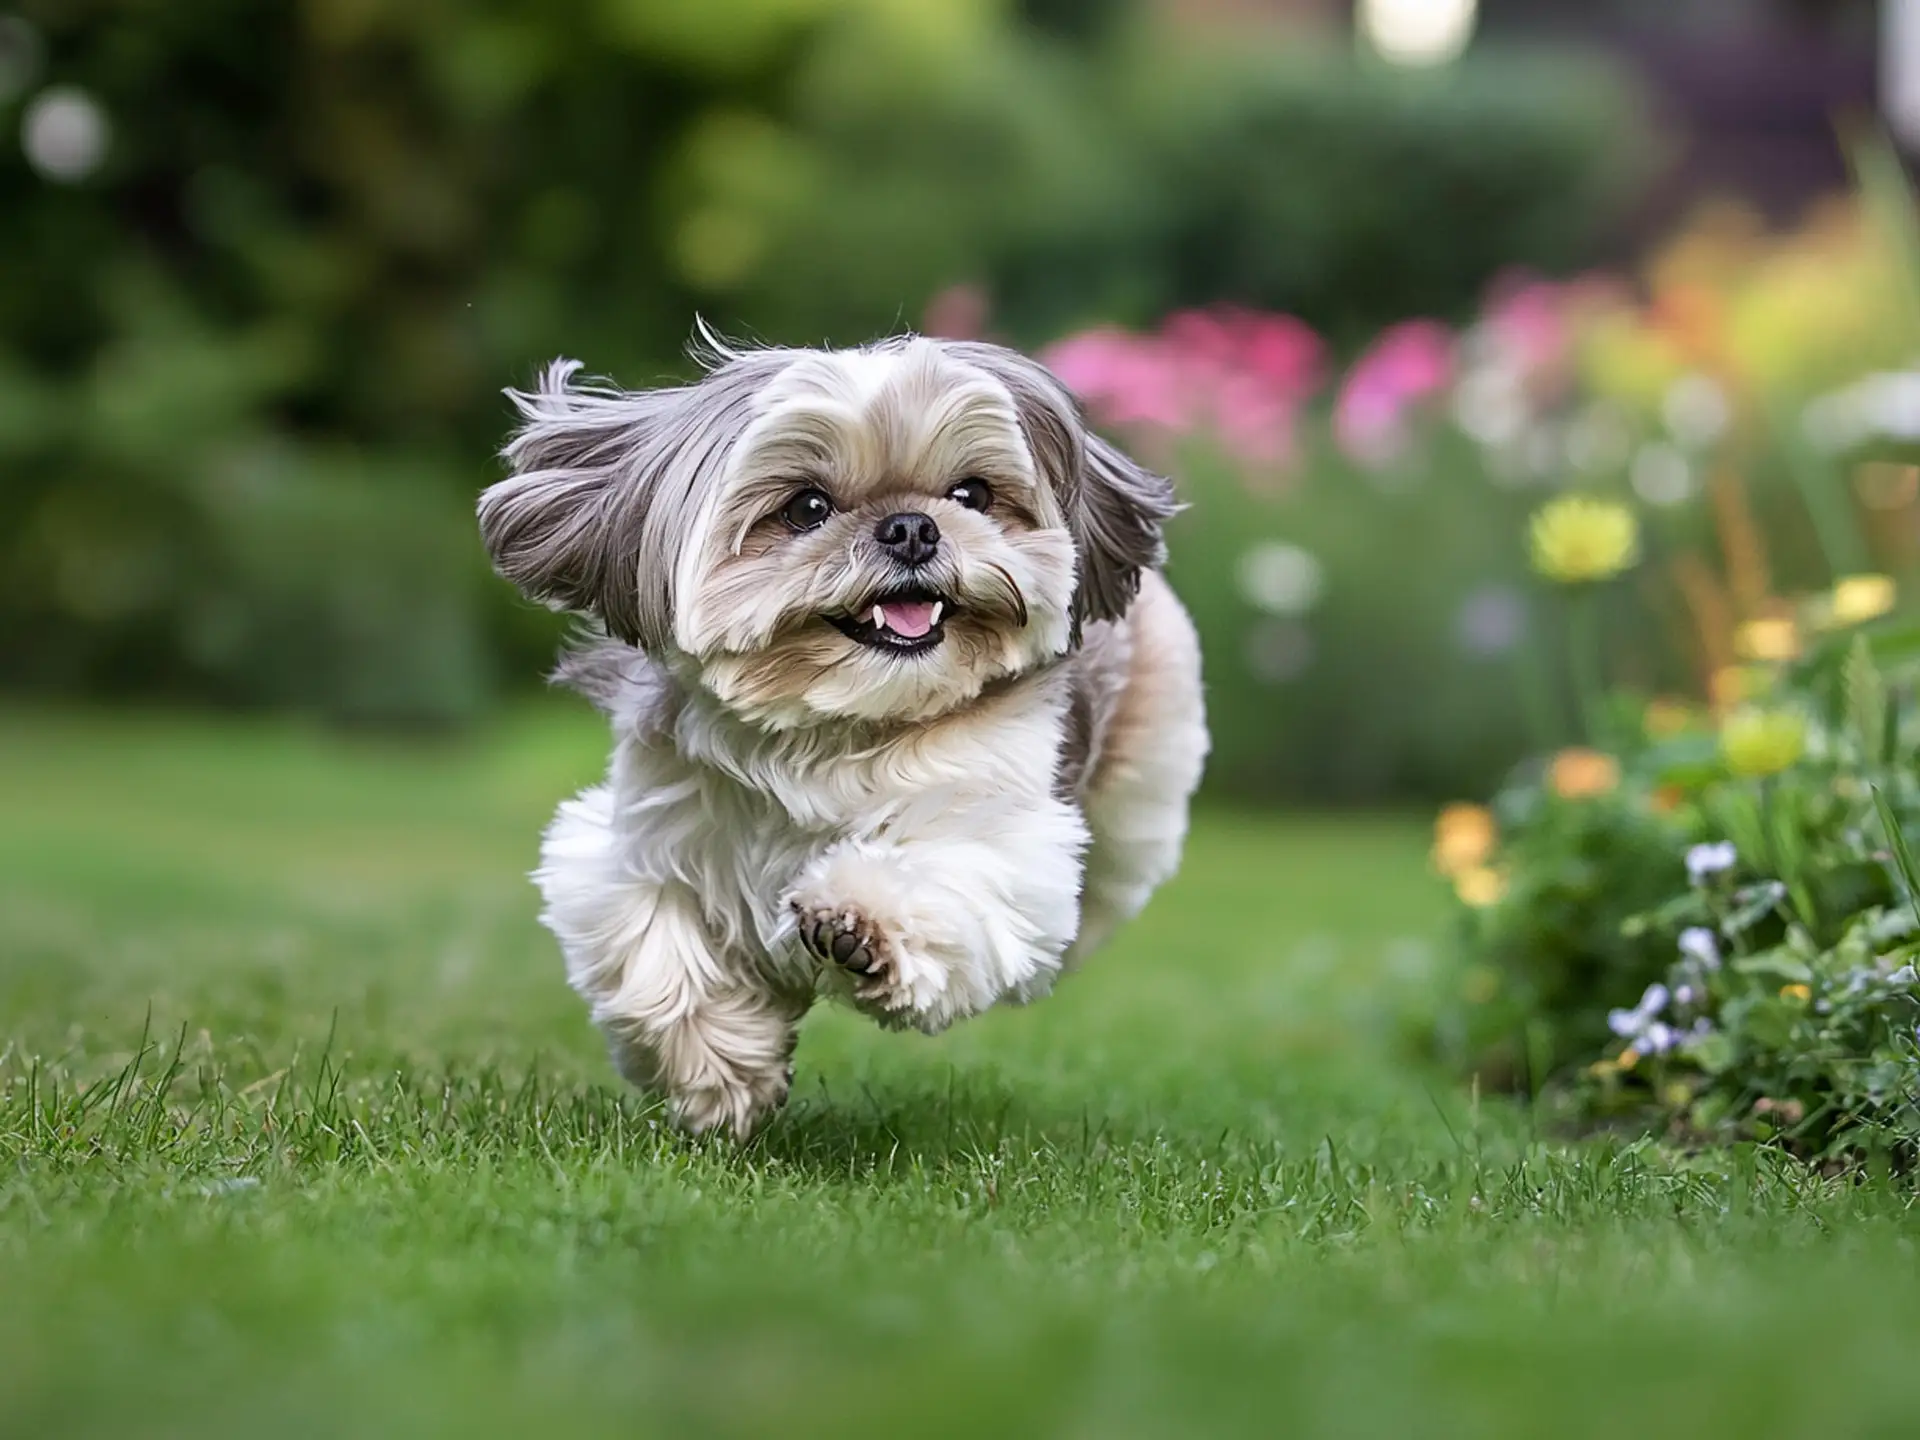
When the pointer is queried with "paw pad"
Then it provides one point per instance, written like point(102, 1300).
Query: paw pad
point(842, 938)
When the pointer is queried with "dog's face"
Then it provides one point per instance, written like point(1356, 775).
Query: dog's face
point(870, 534)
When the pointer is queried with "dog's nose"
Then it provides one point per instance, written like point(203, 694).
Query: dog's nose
point(909, 537)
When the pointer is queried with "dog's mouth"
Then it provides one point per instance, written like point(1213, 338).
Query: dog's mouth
point(901, 622)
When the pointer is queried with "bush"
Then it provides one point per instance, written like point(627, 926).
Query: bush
point(1724, 942)
point(1166, 174)
point(251, 387)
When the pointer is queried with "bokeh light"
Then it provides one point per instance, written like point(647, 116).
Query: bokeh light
point(1418, 32)
point(64, 134)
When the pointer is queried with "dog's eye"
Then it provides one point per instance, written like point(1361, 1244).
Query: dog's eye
point(808, 510)
point(973, 494)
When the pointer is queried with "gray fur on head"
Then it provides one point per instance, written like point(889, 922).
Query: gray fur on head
point(1115, 509)
point(603, 485)
point(607, 483)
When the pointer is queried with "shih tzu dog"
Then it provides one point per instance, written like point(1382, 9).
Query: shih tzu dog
point(902, 711)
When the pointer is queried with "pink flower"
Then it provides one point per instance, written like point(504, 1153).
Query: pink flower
point(1407, 364)
point(1241, 372)
point(1125, 379)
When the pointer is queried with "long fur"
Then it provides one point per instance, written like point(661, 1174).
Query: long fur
point(790, 812)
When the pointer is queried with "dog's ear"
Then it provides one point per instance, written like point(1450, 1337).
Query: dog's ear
point(593, 514)
point(1119, 525)
point(1115, 509)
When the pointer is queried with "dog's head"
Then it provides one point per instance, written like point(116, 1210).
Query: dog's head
point(856, 534)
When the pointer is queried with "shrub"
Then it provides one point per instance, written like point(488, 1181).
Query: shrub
point(1723, 944)
point(250, 388)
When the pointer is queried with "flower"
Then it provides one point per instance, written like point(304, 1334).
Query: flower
point(1409, 363)
point(1696, 410)
point(1577, 773)
point(1858, 598)
point(1704, 861)
point(1642, 1028)
point(1801, 993)
point(1700, 945)
point(1636, 1023)
point(1480, 886)
point(1578, 539)
point(1463, 837)
point(1491, 620)
point(1762, 742)
point(1242, 373)
point(1629, 1058)
point(1281, 579)
point(1772, 638)
point(1665, 717)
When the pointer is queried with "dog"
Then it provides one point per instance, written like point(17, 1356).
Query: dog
point(903, 711)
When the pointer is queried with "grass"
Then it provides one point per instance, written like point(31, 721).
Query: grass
point(301, 1133)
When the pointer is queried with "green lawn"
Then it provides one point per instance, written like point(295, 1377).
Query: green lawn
point(372, 1175)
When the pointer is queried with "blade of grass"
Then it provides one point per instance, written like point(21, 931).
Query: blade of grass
point(1903, 857)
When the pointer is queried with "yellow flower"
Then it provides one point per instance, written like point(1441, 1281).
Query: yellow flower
point(1629, 1059)
point(1796, 992)
point(1480, 886)
point(1463, 836)
point(1762, 742)
point(1774, 637)
point(1858, 598)
point(1577, 539)
point(1580, 774)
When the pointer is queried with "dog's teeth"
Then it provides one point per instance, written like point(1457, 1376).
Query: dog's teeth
point(938, 607)
point(879, 618)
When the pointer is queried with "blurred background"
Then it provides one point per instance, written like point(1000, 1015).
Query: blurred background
point(1372, 279)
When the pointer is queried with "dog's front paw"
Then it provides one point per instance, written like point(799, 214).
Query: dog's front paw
point(843, 937)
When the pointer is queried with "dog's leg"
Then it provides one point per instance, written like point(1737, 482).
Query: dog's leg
point(678, 1014)
point(928, 926)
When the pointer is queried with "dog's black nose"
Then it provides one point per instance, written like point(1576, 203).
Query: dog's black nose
point(909, 537)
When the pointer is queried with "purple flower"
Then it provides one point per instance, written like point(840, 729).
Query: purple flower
point(1633, 1024)
point(1698, 943)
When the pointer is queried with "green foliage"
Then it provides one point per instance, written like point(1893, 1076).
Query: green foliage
point(1767, 928)
point(249, 369)
point(1365, 688)
point(1355, 195)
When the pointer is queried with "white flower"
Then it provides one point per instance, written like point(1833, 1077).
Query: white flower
point(1710, 859)
point(1697, 411)
point(1905, 975)
point(1281, 579)
point(1632, 1024)
point(1697, 943)
point(1660, 475)
point(1684, 995)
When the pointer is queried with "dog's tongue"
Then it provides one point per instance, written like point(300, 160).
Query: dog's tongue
point(911, 618)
